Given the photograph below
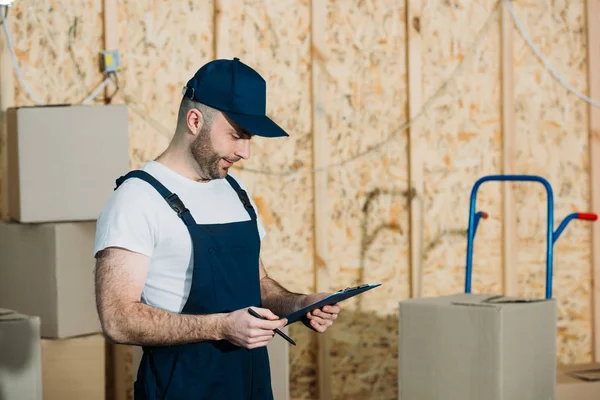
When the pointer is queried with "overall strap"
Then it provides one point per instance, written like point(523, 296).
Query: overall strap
point(171, 198)
point(243, 196)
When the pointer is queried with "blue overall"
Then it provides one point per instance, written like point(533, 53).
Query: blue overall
point(225, 278)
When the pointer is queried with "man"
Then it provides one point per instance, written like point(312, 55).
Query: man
point(178, 252)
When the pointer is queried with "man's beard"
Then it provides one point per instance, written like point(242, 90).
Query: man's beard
point(206, 157)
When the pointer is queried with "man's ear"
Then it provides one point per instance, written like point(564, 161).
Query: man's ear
point(194, 120)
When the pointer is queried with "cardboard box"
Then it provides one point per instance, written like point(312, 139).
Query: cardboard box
point(47, 270)
point(475, 347)
point(20, 359)
point(63, 160)
point(74, 368)
point(578, 382)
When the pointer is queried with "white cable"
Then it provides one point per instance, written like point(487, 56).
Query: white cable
point(97, 91)
point(547, 64)
point(15, 62)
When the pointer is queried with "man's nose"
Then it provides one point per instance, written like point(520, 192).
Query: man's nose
point(243, 150)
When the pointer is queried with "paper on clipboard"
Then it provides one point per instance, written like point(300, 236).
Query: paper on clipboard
point(333, 298)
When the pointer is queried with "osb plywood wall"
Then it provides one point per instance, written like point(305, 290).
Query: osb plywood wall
point(161, 45)
point(56, 43)
point(552, 140)
point(463, 135)
point(367, 235)
point(365, 103)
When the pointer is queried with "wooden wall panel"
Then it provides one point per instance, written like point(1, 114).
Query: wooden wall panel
point(162, 45)
point(552, 141)
point(509, 237)
point(57, 44)
point(273, 37)
point(364, 82)
point(463, 130)
point(368, 233)
point(416, 143)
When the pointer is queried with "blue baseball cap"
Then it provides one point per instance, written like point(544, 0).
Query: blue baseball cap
point(238, 91)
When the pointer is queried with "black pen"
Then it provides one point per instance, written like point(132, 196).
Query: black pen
point(277, 331)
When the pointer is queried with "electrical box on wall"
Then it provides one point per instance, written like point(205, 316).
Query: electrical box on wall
point(63, 160)
point(111, 61)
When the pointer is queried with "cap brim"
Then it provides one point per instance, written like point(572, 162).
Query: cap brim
point(259, 125)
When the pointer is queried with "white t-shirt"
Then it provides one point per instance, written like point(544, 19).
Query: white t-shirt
point(137, 218)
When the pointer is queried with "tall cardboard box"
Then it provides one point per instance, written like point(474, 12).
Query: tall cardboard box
point(47, 270)
point(578, 382)
point(477, 347)
point(63, 160)
point(74, 368)
point(20, 360)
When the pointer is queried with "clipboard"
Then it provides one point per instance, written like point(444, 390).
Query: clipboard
point(333, 298)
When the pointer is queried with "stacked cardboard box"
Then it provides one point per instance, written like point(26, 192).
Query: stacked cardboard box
point(62, 164)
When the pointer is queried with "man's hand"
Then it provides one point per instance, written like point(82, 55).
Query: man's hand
point(321, 318)
point(244, 330)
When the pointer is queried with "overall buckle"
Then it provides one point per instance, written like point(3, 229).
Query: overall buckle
point(244, 198)
point(176, 204)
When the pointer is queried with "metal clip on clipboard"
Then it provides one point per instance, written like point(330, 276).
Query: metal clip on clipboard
point(349, 289)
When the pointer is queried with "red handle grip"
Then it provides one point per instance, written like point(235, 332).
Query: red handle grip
point(587, 216)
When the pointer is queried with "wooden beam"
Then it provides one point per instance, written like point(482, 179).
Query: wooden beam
point(219, 28)
point(509, 229)
point(7, 100)
point(222, 15)
point(320, 158)
point(593, 55)
point(415, 150)
point(111, 35)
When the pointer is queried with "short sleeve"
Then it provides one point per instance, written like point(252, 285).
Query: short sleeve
point(261, 228)
point(127, 220)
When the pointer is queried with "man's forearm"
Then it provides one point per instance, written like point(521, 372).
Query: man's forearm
point(143, 325)
point(278, 299)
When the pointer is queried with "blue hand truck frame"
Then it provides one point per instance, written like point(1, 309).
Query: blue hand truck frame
point(551, 235)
